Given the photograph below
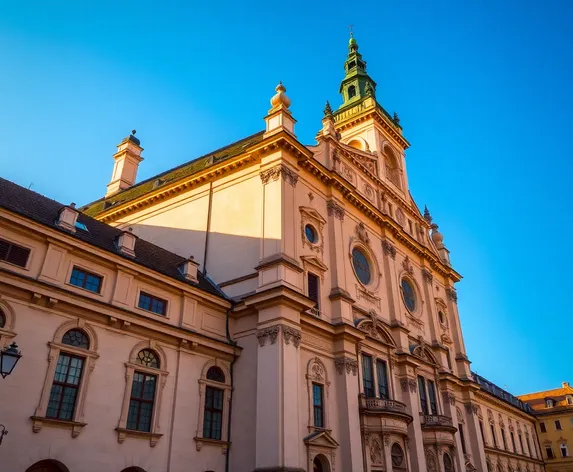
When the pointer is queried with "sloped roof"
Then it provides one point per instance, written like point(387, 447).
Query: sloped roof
point(173, 175)
point(501, 394)
point(45, 211)
point(558, 395)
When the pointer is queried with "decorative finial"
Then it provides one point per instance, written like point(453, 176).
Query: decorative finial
point(351, 35)
point(133, 132)
point(427, 215)
point(280, 98)
point(396, 119)
point(327, 110)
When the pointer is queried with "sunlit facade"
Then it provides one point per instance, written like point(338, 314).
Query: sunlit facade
point(269, 307)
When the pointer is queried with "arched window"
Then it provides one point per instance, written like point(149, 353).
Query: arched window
point(392, 168)
point(448, 463)
point(216, 374)
point(214, 392)
point(76, 338)
point(142, 396)
point(351, 91)
point(397, 454)
point(67, 377)
point(48, 466)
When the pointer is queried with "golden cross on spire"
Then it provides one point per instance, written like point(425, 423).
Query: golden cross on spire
point(351, 35)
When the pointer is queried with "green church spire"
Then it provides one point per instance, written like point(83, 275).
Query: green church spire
point(357, 84)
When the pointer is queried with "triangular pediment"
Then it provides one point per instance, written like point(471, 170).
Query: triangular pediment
point(315, 262)
point(312, 213)
point(321, 439)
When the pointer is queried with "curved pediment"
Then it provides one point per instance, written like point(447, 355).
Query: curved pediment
point(375, 329)
point(421, 351)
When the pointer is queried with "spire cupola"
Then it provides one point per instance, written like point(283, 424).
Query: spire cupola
point(357, 84)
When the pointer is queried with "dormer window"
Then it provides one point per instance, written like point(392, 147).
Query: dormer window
point(549, 403)
point(569, 399)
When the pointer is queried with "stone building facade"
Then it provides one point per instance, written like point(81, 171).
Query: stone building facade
point(320, 293)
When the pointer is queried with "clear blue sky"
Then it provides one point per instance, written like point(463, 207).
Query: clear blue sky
point(484, 90)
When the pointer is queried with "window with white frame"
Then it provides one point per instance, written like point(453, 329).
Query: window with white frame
point(71, 359)
point(549, 403)
point(564, 451)
point(215, 395)
point(146, 374)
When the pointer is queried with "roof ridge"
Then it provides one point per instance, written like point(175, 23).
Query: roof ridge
point(156, 176)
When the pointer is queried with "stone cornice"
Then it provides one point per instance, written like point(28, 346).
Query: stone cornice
point(508, 454)
point(488, 397)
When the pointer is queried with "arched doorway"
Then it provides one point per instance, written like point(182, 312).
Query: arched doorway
point(320, 464)
point(48, 465)
point(133, 469)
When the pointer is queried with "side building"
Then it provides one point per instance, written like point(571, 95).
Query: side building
point(126, 361)
point(554, 412)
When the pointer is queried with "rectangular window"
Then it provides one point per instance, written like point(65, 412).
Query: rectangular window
point(558, 425)
point(512, 436)
point(432, 397)
point(503, 439)
point(367, 376)
point(317, 406)
point(549, 452)
point(423, 398)
point(548, 403)
point(381, 371)
point(569, 400)
point(493, 436)
point(449, 359)
point(13, 253)
point(213, 414)
point(84, 279)
point(462, 439)
point(481, 431)
point(312, 281)
point(521, 443)
point(564, 452)
point(64, 393)
point(141, 402)
point(542, 427)
point(529, 453)
point(151, 303)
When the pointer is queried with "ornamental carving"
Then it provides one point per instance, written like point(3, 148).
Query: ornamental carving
point(334, 209)
point(362, 233)
point(452, 294)
point(376, 451)
point(317, 370)
point(387, 439)
point(449, 397)
point(428, 277)
point(400, 216)
point(407, 265)
point(389, 249)
point(369, 192)
point(431, 462)
point(291, 334)
point(288, 175)
point(472, 409)
point(408, 384)
point(346, 363)
point(268, 333)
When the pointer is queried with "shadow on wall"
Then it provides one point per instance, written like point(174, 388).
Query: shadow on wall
point(229, 256)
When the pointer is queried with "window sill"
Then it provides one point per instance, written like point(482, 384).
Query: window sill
point(38, 422)
point(123, 433)
point(200, 442)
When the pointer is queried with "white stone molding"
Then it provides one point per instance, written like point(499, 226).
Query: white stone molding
point(161, 373)
point(89, 355)
point(204, 382)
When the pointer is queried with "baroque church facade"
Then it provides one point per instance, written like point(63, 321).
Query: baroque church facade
point(270, 306)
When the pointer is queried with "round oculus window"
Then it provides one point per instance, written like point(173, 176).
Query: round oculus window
point(310, 234)
point(361, 266)
point(408, 295)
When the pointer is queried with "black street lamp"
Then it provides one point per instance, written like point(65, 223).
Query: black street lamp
point(3, 432)
point(8, 359)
